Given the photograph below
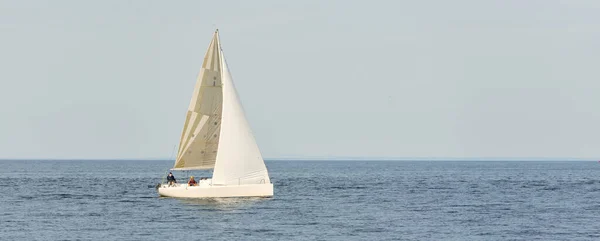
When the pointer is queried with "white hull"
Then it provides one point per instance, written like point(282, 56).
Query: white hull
point(208, 191)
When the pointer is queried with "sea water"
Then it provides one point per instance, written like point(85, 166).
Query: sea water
point(314, 200)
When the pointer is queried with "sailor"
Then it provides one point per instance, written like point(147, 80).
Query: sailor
point(171, 179)
point(192, 182)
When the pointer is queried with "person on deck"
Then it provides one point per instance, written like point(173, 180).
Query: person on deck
point(192, 182)
point(171, 179)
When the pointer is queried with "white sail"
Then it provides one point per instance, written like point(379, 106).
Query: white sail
point(238, 158)
point(200, 136)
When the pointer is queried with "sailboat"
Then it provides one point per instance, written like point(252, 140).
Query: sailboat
point(217, 136)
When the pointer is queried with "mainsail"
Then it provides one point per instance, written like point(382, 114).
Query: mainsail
point(200, 136)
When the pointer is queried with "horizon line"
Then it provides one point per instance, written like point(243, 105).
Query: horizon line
point(331, 159)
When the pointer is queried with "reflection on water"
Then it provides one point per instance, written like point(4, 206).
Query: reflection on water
point(231, 203)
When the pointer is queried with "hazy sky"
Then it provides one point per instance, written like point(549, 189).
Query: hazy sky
point(113, 79)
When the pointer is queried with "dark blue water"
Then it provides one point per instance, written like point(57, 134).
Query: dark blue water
point(314, 200)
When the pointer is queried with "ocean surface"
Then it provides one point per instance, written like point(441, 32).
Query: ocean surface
point(314, 200)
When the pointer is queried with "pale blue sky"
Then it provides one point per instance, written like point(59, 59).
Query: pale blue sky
point(400, 79)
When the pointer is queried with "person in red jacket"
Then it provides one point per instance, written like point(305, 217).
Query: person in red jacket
point(192, 182)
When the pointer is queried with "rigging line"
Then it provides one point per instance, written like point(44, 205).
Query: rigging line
point(173, 152)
